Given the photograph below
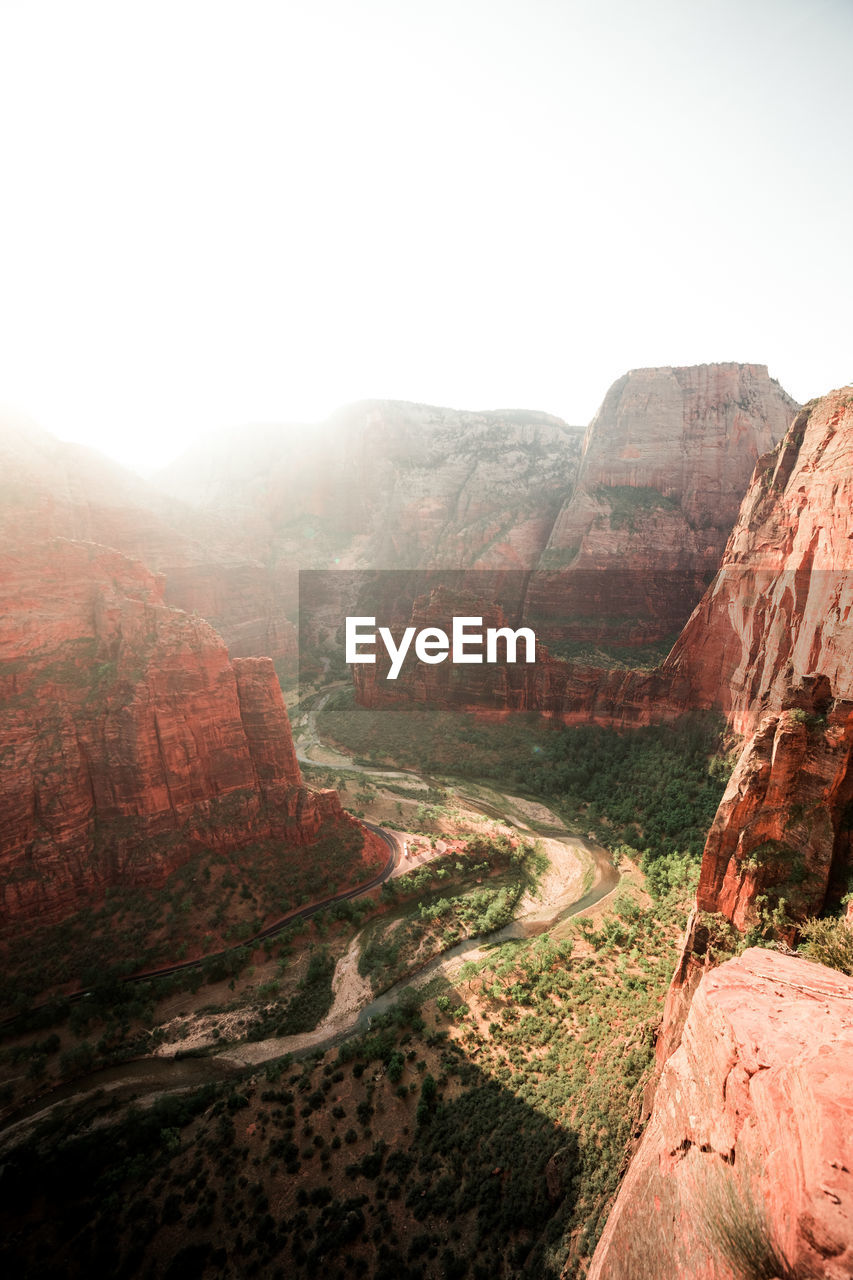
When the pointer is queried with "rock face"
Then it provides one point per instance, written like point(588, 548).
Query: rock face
point(572, 692)
point(129, 739)
point(754, 1107)
point(55, 490)
point(781, 608)
point(391, 485)
point(783, 823)
point(665, 465)
point(770, 645)
point(385, 485)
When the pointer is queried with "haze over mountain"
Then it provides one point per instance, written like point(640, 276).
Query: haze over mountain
point(134, 744)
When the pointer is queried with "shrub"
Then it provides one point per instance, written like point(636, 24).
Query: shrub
point(828, 942)
point(734, 1223)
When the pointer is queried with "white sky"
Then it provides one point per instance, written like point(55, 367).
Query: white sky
point(215, 213)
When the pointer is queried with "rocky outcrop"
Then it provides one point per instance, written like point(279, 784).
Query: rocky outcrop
point(780, 846)
point(129, 739)
point(666, 462)
point(391, 485)
point(752, 1120)
point(780, 611)
point(770, 645)
point(782, 827)
point(55, 490)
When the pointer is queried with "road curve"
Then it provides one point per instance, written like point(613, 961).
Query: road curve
point(154, 1075)
point(393, 842)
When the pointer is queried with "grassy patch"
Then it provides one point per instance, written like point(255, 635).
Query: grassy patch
point(628, 503)
point(459, 896)
point(828, 942)
point(609, 656)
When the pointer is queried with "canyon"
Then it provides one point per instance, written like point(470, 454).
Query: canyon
point(143, 633)
point(664, 466)
point(129, 739)
point(769, 648)
point(769, 645)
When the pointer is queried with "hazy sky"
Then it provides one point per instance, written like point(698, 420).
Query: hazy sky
point(216, 213)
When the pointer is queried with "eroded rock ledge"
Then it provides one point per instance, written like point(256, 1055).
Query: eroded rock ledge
point(755, 1098)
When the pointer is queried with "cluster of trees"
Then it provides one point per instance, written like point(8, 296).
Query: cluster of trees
point(655, 788)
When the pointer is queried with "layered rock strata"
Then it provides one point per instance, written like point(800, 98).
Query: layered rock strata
point(666, 462)
point(771, 645)
point(129, 739)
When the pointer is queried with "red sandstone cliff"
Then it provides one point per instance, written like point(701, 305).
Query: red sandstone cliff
point(754, 1107)
point(571, 692)
point(388, 484)
point(51, 489)
point(665, 464)
point(781, 607)
point(128, 738)
point(771, 645)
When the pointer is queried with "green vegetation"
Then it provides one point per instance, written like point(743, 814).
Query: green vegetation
point(734, 1224)
point(488, 1134)
point(307, 1007)
point(458, 896)
point(828, 942)
point(477, 1134)
point(605, 654)
point(814, 723)
point(212, 901)
point(627, 502)
point(558, 557)
point(655, 788)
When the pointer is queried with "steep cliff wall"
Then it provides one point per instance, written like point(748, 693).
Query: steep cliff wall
point(781, 607)
point(128, 738)
point(753, 1118)
point(50, 489)
point(771, 645)
point(665, 464)
point(391, 485)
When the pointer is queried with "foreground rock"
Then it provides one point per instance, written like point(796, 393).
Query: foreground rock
point(753, 1109)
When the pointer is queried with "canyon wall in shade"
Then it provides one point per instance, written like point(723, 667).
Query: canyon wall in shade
point(129, 739)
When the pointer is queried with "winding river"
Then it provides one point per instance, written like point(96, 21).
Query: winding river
point(351, 1012)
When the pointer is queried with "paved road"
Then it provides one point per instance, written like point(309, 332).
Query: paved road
point(394, 843)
